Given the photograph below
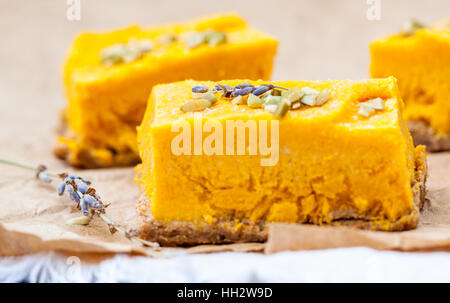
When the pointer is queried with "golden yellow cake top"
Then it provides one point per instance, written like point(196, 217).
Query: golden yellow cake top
point(159, 43)
point(343, 105)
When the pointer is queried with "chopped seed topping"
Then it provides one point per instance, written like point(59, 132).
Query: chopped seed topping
point(309, 99)
point(195, 39)
point(309, 91)
point(410, 27)
point(377, 103)
point(254, 101)
point(323, 97)
point(238, 100)
point(365, 110)
point(272, 98)
point(196, 105)
point(293, 95)
point(369, 107)
point(215, 38)
point(282, 109)
point(212, 38)
point(271, 108)
point(313, 97)
point(167, 38)
point(121, 53)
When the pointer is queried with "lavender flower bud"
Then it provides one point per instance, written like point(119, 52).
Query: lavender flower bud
point(244, 85)
point(82, 187)
point(200, 89)
point(84, 208)
point(92, 201)
point(259, 90)
point(242, 91)
point(61, 188)
point(73, 195)
point(43, 176)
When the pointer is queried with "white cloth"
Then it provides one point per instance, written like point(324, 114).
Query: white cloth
point(334, 265)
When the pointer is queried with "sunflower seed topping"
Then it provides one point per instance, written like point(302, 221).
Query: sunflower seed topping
point(82, 220)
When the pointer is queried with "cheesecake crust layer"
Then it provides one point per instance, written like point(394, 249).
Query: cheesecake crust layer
point(423, 134)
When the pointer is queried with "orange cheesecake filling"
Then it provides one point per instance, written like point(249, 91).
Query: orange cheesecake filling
point(108, 101)
point(333, 163)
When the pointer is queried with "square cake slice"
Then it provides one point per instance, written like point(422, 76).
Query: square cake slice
point(222, 160)
point(419, 57)
point(109, 77)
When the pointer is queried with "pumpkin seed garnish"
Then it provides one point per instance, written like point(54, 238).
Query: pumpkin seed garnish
point(215, 38)
point(272, 98)
point(282, 109)
point(211, 37)
point(237, 101)
point(377, 103)
point(271, 108)
point(323, 97)
point(309, 99)
point(313, 97)
point(369, 107)
point(125, 53)
point(167, 38)
point(194, 39)
point(410, 27)
point(293, 94)
point(196, 105)
point(254, 101)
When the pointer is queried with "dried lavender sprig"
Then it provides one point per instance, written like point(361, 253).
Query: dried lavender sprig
point(95, 202)
point(21, 165)
point(113, 225)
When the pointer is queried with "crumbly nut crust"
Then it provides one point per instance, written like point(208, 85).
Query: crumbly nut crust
point(423, 134)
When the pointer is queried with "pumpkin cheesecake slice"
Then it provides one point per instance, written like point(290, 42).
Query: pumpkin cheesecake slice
point(108, 78)
point(222, 160)
point(419, 57)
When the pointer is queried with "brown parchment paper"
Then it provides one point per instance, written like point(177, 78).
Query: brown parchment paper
point(33, 219)
point(35, 37)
